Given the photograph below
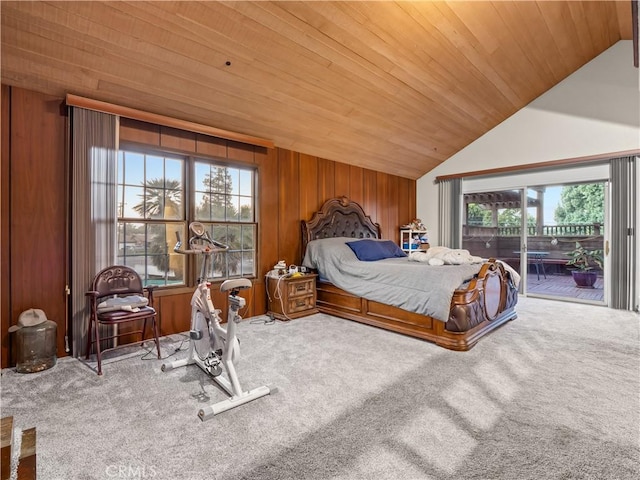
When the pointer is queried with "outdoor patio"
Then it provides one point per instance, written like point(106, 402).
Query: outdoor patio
point(558, 285)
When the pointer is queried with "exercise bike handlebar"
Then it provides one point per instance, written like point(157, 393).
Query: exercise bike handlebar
point(212, 246)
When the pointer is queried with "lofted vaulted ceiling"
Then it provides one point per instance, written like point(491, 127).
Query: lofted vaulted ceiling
point(397, 87)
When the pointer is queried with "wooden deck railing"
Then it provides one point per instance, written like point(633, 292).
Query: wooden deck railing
point(572, 230)
point(504, 244)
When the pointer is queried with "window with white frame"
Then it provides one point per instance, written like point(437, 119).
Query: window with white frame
point(160, 194)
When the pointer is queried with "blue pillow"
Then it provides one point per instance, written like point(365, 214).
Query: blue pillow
point(372, 250)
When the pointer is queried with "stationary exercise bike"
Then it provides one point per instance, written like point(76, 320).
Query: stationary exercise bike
point(214, 348)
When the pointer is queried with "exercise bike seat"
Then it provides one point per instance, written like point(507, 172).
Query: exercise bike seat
point(235, 284)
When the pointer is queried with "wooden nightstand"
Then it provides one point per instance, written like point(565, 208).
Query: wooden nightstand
point(291, 297)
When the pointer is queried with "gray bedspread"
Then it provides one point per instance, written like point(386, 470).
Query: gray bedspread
point(413, 286)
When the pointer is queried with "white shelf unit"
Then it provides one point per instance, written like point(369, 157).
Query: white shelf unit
point(407, 238)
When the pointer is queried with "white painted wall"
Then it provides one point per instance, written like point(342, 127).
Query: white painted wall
point(595, 110)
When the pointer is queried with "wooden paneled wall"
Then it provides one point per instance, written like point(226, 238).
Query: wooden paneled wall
point(34, 209)
point(5, 304)
point(306, 182)
point(291, 186)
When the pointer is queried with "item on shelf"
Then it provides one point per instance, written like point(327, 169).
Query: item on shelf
point(415, 224)
point(280, 268)
point(411, 240)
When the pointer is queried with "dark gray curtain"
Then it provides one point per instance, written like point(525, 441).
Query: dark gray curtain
point(93, 209)
point(449, 222)
point(624, 257)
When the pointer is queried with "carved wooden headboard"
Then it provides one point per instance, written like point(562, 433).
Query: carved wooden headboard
point(338, 217)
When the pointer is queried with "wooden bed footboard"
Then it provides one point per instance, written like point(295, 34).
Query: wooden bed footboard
point(486, 297)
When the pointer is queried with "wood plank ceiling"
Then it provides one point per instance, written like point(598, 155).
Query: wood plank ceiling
point(396, 87)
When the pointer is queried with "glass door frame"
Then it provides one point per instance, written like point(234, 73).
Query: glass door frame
point(606, 277)
point(594, 173)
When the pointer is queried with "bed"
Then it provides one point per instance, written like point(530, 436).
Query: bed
point(481, 302)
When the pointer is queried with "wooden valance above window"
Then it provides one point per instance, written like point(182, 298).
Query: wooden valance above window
point(105, 107)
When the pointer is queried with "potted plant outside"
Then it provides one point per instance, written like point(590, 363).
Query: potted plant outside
point(584, 262)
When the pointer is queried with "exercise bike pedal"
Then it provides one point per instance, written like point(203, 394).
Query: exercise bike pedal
point(213, 366)
point(195, 334)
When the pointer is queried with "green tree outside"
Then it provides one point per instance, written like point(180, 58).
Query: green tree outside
point(219, 204)
point(162, 199)
point(479, 216)
point(580, 204)
point(216, 203)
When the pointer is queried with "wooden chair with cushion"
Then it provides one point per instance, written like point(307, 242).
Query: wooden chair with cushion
point(118, 296)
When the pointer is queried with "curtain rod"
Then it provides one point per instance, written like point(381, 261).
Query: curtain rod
point(141, 115)
point(531, 166)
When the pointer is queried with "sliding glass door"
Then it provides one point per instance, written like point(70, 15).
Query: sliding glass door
point(569, 239)
point(553, 235)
